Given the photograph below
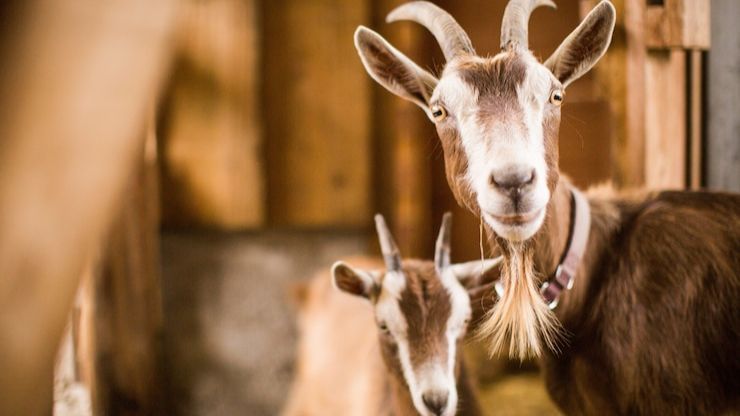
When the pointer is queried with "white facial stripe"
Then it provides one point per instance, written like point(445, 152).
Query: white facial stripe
point(387, 309)
point(433, 375)
point(456, 325)
point(458, 96)
point(515, 140)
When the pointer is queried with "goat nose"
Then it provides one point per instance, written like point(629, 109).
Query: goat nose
point(511, 179)
point(435, 401)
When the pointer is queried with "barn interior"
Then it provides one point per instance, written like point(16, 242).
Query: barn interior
point(172, 171)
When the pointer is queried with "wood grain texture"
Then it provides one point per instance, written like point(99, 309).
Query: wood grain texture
point(211, 125)
point(696, 120)
point(317, 114)
point(665, 112)
point(620, 81)
point(405, 142)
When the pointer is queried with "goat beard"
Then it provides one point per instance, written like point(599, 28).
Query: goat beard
point(520, 319)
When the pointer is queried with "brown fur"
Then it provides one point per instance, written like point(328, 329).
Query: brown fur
point(496, 81)
point(340, 351)
point(426, 303)
point(652, 317)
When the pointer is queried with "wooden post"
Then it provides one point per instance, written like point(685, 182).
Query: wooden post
point(696, 121)
point(655, 99)
point(404, 142)
point(126, 303)
point(77, 80)
point(620, 78)
point(676, 32)
point(211, 123)
point(665, 119)
point(317, 114)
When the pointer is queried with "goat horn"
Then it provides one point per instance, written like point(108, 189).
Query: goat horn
point(450, 36)
point(516, 20)
point(442, 248)
point(388, 247)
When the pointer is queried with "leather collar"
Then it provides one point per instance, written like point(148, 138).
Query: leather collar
point(565, 273)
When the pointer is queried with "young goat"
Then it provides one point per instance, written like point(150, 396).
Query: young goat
point(414, 365)
point(651, 323)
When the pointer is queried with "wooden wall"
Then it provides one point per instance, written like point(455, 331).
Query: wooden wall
point(316, 109)
point(652, 78)
point(210, 121)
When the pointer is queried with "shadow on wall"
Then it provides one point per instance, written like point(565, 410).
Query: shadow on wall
point(229, 328)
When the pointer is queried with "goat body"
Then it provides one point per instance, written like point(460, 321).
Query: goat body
point(339, 369)
point(653, 319)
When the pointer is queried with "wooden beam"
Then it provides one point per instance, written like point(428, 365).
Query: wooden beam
point(76, 84)
point(696, 120)
point(620, 76)
point(665, 115)
point(404, 142)
point(211, 124)
point(127, 304)
point(683, 24)
point(317, 114)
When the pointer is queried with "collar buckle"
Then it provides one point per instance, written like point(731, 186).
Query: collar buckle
point(564, 275)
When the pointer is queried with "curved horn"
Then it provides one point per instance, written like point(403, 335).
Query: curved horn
point(388, 247)
point(516, 20)
point(451, 37)
point(442, 249)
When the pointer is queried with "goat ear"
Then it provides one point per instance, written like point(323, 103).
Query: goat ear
point(393, 70)
point(580, 51)
point(353, 281)
point(474, 273)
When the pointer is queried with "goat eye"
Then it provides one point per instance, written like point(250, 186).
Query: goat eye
point(556, 97)
point(383, 327)
point(439, 113)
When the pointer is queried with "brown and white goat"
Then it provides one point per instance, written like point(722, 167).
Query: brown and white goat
point(651, 323)
point(393, 348)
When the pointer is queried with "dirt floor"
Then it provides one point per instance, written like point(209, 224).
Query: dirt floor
point(229, 331)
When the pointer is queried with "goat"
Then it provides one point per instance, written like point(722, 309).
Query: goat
point(632, 300)
point(420, 311)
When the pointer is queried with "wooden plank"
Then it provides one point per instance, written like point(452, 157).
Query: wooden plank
point(404, 143)
point(696, 120)
point(127, 304)
point(723, 99)
point(317, 114)
point(212, 170)
point(620, 79)
point(665, 114)
point(73, 104)
point(678, 24)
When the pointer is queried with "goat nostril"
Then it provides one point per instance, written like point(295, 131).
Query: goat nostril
point(510, 180)
point(436, 401)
